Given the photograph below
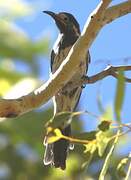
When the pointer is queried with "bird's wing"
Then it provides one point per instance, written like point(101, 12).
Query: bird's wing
point(52, 59)
point(88, 59)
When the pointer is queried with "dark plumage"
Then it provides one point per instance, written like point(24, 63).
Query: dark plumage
point(67, 98)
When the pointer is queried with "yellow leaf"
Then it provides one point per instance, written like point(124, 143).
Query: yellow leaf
point(58, 133)
point(52, 139)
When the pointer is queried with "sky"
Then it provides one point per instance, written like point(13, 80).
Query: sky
point(111, 47)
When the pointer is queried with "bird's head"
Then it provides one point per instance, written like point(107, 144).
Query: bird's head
point(66, 22)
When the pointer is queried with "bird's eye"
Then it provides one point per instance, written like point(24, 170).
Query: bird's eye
point(65, 18)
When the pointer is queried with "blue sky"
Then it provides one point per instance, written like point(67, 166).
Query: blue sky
point(112, 46)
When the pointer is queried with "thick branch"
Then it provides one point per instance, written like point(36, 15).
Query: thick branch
point(116, 11)
point(101, 16)
point(109, 71)
point(12, 108)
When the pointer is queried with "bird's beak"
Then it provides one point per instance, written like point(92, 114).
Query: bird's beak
point(52, 14)
point(59, 21)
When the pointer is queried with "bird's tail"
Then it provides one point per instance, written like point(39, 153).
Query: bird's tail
point(56, 153)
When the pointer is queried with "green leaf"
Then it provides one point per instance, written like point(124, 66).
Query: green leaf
point(89, 150)
point(99, 101)
point(108, 158)
point(59, 119)
point(86, 135)
point(108, 114)
point(119, 97)
point(89, 157)
point(91, 147)
point(120, 168)
point(98, 140)
point(62, 119)
point(121, 172)
point(101, 142)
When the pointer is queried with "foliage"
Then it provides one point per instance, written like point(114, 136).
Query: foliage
point(21, 139)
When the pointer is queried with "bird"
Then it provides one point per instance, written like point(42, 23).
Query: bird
point(68, 97)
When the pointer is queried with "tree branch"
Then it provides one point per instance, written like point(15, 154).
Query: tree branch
point(98, 18)
point(116, 11)
point(109, 71)
point(15, 107)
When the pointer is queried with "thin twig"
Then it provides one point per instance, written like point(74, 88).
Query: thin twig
point(121, 134)
point(109, 71)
